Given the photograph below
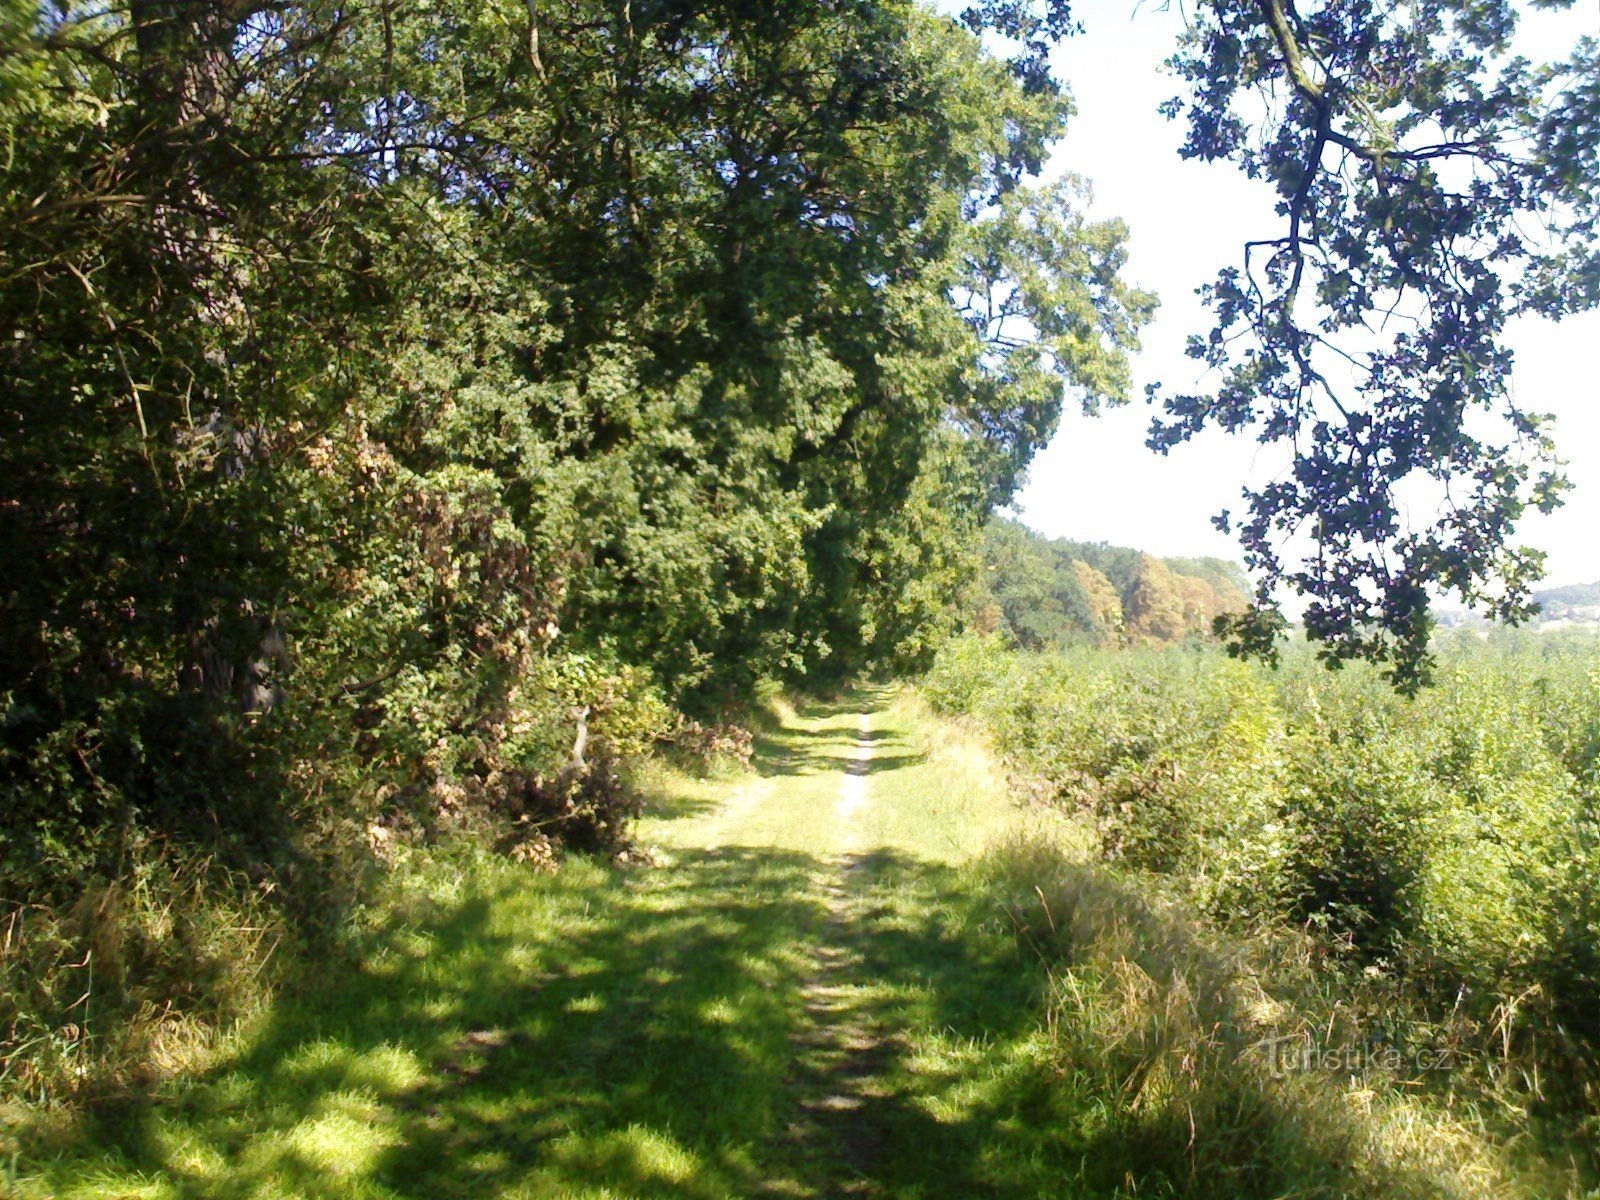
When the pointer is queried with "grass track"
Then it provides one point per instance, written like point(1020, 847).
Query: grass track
point(809, 998)
point(826, 989)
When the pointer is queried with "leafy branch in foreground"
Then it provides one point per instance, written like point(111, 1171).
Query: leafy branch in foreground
point(1432, 186)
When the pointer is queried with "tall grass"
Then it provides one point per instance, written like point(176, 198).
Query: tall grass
point(134, 980)
point(1433, 862)
point(1203, 1066)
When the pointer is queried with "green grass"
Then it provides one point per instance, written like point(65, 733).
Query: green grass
point(613, 1033)
point(592, 1034)
point(906, 987)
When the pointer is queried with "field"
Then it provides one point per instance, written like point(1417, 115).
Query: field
point(1417, 876)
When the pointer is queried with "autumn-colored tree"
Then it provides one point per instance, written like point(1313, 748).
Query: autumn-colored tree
point(1153, 603)
point(1105, 606)
point(1201, 604)
point(989, 618)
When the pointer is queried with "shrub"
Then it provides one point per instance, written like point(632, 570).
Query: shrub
point(1445, 845)
point(965, 671)
point(1358, 808)
point(708, 750)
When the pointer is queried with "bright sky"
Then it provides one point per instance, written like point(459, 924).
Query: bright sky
point(1096, 481)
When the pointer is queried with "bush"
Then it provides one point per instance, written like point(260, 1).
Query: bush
point(966, 671)
point(1358, 808)
point(1446, 843)
point(709, 750)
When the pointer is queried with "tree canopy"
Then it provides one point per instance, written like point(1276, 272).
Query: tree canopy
point(394, 392)
point(401, 401)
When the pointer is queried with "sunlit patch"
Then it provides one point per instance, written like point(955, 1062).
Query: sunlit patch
point(315, 1058)
point(485, 1162)
point(636, 1156)
point(342, 1140)
point(520, 958)
point(185, 1151)
point(386, 1070)
point(123, 1187)
point(721, 1011)
point(411, 943)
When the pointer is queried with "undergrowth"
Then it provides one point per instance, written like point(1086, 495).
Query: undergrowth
point(1422, 874)
point(130, 983)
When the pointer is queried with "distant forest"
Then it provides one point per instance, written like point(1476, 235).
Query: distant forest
point(1574, 595)
point(1051, 592)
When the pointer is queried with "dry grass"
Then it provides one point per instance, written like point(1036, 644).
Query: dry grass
point(131, 984)
point(1217, 1069)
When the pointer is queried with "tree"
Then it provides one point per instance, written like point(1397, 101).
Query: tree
point(488, 363)
point(1153, 603)
point(1105, 606)
point(1200, 604)
point(1431, 185)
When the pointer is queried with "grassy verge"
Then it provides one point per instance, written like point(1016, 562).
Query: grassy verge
point(1188, 1064)
point(133, 981)
point(901, 987)
point(595, 1032)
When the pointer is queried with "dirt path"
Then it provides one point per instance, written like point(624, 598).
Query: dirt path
point(879, 821)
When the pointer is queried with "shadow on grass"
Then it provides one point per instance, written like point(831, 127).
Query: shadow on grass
point(596, 1030)
point(677, 807)
point(653, 1034)
point(789, 751)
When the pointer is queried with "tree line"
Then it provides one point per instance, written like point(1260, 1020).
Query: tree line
point(399, 396)
point(1048, 593)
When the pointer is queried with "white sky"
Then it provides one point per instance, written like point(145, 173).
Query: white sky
point(1096, 481)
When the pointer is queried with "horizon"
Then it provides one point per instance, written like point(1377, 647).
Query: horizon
point(1545, 585)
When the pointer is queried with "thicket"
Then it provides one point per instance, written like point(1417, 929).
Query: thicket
point(410, 411)
point(1441, 853)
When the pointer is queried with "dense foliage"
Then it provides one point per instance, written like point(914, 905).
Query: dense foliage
point(1448, 843)
point(406, 407)
point(1050, 592)
point(403, 402)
